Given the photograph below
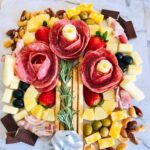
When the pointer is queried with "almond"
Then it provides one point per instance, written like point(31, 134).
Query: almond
point(110, 148)
point(133, 138)
point(132, 112)
point(131, 125)
point(11, 33)
point(60, 14)
point(125, 121)
point(123, 133)
point(8, 43)
point(50, 12)
point(138, 111)
point(122, 146)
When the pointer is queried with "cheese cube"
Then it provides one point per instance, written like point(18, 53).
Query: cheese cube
point(88, 114)
point(130, 78)
point(119, 115)
point(109, 95)
point(7, 96)
point(137, 60)
point(93, 138)
point(10, 109)
point(93, 29)
point(15, 83)
point(112, 44)
point(106, 143)
point(100, 113)
point(134, 69)
point(49, 115)
point(125, 48)
point(103, 29)
point(86, 7)
point(28, 38)
point(115, 129)
point(73, 11)
point(20, 115)
point(96, 16)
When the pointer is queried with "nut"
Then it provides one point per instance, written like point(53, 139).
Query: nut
point(22, 17)
point(132, 112)
point(110, 148)
point(131, 125)
point(8, 43)
point(122, 146)
point(60, 14)
point(28, 15)
point(11, 33)
point(21, 32)
point(125, 121)
point(133, 138)
point(22, 23)
point(50, 12)
point(123, 133)
point(140, 128)
point(123, 140)
point(138, 111)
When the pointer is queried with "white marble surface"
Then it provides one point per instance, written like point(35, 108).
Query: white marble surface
point(136, 10)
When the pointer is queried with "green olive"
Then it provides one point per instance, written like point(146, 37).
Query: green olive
point(106, 122)
point(90, 21)
point(96, 125)
point(104, 131)
point(76, 17)
point(83, 15)
point(87, 130)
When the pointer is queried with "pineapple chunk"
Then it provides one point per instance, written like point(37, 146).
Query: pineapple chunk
point(133, 90)
point(28, 38)
point(109, 95)
point(119, 115)
point(86, 7)
point(41, 18)
point(125, 48)
point(15, 83)
point(20, 115)
point(134, 69)
point(93, 29)
point(7, 96)
point(30, 98)
point(112, 45)
point(88, 114)
point(115, 129)
point(10, 109)
point(103, 29)
point(100, 113)
point(130, 78)
point(48, 115)
point(137, 60)
point(93, 138)
point(106, 143)
point(96, 16)
point(52, 21)
point(109, 106)
point(73, 11)
point(37, 111)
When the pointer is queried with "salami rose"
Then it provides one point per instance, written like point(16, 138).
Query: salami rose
point(37, 65)
point(98, 81)
point(72, 46)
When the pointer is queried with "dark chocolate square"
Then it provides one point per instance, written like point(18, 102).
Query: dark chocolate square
point(10, 138)
point(110, 13)
point(26, 136)
point(9, 123)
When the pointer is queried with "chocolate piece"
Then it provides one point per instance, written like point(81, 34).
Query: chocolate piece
point(10, 138)
point(121, 21)
point(110, 13)
point(26, 136)
point(9, 123)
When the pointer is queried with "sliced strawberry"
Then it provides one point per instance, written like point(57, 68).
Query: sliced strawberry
point(123, 38)
point(42, 34)
point(47, 99)
point(95, 43)
point(91, 98)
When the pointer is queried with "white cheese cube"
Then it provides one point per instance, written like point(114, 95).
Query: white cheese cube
point(137, 60)
point(15, 83)
point(109, 95)
point(130, 78)
point(134, 69)
point(7, 96)
point(112, 45)
point(10, 109)
point(20, 115)
point(125, 48)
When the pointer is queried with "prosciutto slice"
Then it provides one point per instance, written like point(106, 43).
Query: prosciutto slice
point(37, 65)
point(69, 49)
point(96, 81)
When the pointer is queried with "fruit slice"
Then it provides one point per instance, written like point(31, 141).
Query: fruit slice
point(106, 143)
point(20, 115)
point(115, 129)
point(28, 38)
point(48, 115)
point(109, 106)
point(8, 73)
point(93, 138)
point(37, 111)
point(10, 109)
point(125, 48)
point(7, 96)
point(30, 98)
point(133, 90)
point(88, 114)
point(109, 95)
point(99, 113)
point(15, 83)
point(119, 115)
point(96, 16)
point(134, 69)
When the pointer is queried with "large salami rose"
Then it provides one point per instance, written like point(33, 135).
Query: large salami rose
point(37, 65)
point(96, 81)
point(65, 48)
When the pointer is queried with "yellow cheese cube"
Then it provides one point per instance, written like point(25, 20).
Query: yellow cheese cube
point(137, 60)
point(115, 129)
point(106, 142)
point(134, 69)
point(125, 48)
point(119, 115)
point(96, 16)
point(15, 83)
point(88, 114)
point(93, 29)
point(86, 7)
point(73, 11)
point(93, 138)
point(109, 95)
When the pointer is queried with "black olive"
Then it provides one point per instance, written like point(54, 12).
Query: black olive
point(18, 103)
point(18, 94)
point(127, 60)
point(123, 66)
point(119, 56)
point(24, 86)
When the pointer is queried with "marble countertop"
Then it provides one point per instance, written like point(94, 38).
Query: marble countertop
point(139, 12)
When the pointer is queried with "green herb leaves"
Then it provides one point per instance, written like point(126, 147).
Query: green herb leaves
point(104, 36)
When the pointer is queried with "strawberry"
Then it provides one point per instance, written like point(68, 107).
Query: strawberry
point(91, 98)
point(42, 34)
point(47, 99)
point(123, 38)
point(95, 43)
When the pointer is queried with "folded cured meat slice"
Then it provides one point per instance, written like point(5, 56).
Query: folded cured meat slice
point(64, 48)
point(96, 81)
point(37, 65)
